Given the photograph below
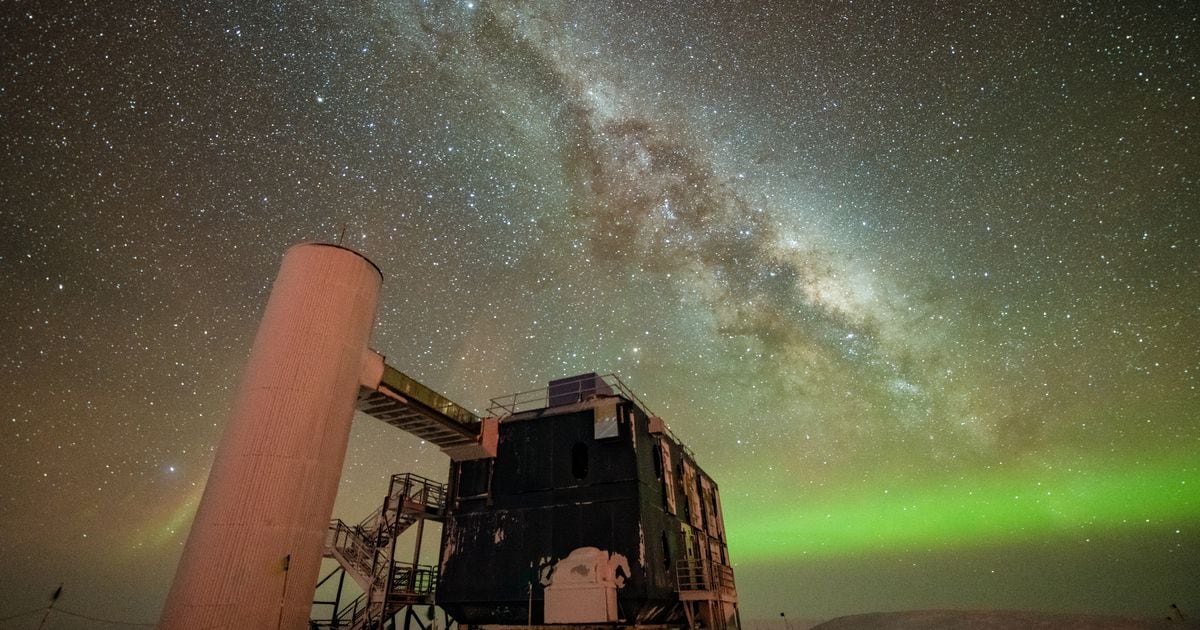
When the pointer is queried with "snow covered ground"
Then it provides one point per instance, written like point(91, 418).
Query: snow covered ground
point(997, 620)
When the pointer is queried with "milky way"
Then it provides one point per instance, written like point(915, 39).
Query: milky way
point(918, 284)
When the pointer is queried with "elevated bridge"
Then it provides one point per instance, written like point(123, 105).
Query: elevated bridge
point(401, 401)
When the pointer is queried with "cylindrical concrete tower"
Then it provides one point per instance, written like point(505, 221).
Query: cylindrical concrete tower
point(254, 552)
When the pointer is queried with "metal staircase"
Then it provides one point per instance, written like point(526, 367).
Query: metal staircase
point(707, 593)
point(366, 552)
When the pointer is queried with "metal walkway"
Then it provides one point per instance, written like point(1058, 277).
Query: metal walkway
point(406, 404)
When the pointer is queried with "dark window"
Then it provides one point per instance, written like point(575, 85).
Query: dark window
point(656, 454)
point(666, 552)
point(474, 477)
point(579, 460)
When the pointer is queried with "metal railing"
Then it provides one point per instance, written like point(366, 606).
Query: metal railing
point(407, 494)
point(409, 583)
point(540, 398)
point(697, 575)
point(355, 547)
point(350, 615)
point(366, 552)
point(513, 404)
point(419, 490)
point(409, 579)
point(404, 384)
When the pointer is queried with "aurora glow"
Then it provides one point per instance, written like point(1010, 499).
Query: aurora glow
point(982, 510)
point(918, 283)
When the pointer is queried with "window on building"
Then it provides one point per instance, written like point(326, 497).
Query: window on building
point(656, 454)
point(579, 460)
point(474, 478)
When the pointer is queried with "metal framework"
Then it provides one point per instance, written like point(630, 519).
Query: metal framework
point(406, 404)
point(704, 589)
point(366, 552)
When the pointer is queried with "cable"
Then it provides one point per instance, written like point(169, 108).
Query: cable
point(102, 620)
point(27, 612)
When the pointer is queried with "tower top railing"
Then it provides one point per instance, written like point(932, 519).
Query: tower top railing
point(539, 398)
point(576, 391)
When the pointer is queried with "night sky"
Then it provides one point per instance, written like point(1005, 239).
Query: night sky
point(919, 283)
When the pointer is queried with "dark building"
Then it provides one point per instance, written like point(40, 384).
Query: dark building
point(591, 513)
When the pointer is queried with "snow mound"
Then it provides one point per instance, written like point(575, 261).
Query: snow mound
point(997, 620)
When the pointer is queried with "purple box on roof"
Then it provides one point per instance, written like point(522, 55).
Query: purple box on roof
point(572, 389)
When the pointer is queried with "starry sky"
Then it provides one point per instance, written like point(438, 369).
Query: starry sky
point(919, 283)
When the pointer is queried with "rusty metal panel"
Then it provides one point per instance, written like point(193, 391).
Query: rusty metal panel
point(604, 424)
point(692, 491)
point(711, 519)
point(716, 495)
point(668, 480)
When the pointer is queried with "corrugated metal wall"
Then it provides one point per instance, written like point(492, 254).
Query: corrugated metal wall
point(255, 547)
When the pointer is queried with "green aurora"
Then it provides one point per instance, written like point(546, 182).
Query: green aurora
point(981, 509)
